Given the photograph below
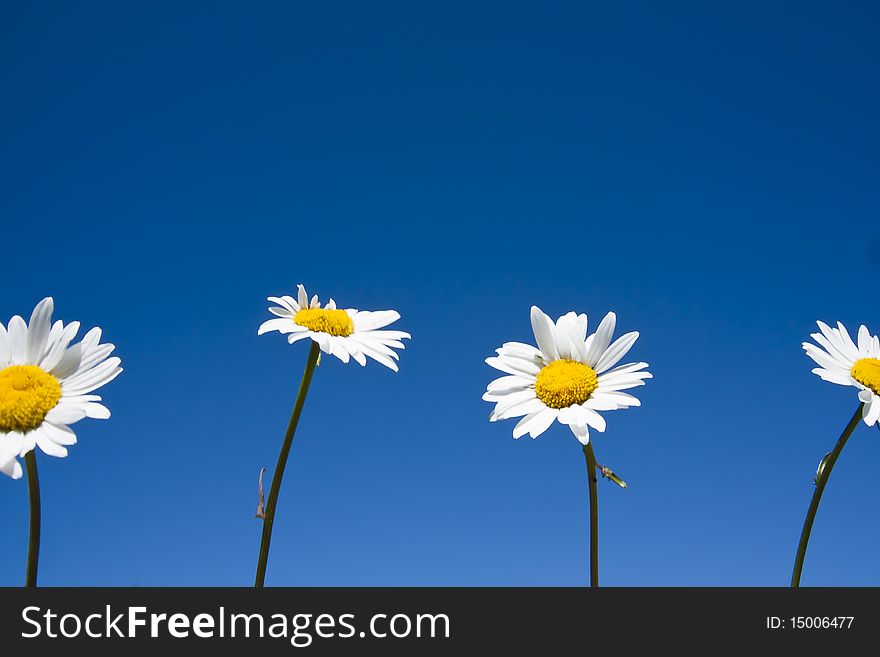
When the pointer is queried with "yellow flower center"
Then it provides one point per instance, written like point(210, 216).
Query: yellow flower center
point(867, 372)
point(565, 382)
point(27, 393)
point(321, 320)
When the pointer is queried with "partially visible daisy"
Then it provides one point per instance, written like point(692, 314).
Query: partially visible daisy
point(567, 378)
point(345, 333)
point(846, 363)
point(45, 384)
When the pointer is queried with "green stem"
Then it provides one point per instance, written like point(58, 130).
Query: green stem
point(30, 460)
point(272, 500)
point(821, 480)
point(594, 514)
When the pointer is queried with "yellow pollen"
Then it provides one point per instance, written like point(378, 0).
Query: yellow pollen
point(322, 320)
point(565, 382)
point(27, 393)
point(867, 372)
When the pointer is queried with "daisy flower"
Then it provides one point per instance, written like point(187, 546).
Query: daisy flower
point(45, 384)
point(846, 363)
point(345, 333)
point(569, 377)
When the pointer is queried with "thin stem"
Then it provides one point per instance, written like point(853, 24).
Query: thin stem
point(30, 460)
point(821, 480)
point(594, 514)
point(282, 462)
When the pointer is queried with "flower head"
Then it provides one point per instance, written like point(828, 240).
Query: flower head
point(45, 384)
point(846, 363)
point(345, 334)
point(568, 377)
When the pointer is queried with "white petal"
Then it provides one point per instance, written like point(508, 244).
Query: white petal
point(388, 335)
point(509, 383)
point(371, 320)
point(565, 332)
point(824, 359)
point(582, 433)
point(301, 296)
point(542, 422)
point(622, 399)
point(628, 377)
point(831, 342)
point(837, 377)
point(66, 413)
point(38, 331)
point(514, 366)
point(595, 420)
point(25, 441)
point(4, 346)
point(624, 369)
point(11, 468)
point(616, 351)
point(871, 412)
point(97, 411)
point(95, 355)
point(69, 362)
point(91, 339)
point(543, 328)
point(280, 325)
point(355, 350)
point(622, 383)
point(582, 327)
point(371, 351)
point(600, 401)
point(86, 375)
point(299, 335)
point(48, 445)
point(837, 342)
point(340, 351)
point(59, 346)
point(573, 415)
point(378, 345)
point(521, 350)
point(864, 342)
point(535, 423)
point(520, 408)
point(851, 349)
point(512, 398)
point(601, 339)
point(10, 447)
point(92, 379)
point(59, 434)
point(286, 302)
point(17, 340)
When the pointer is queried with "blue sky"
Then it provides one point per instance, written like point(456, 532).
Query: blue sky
point(709, 173)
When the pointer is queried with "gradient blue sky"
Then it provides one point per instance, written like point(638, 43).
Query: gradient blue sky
point(708, 172)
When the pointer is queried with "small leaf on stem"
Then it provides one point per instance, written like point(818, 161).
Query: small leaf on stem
point(821, 468)
point(261, 507)
point(608, 473)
